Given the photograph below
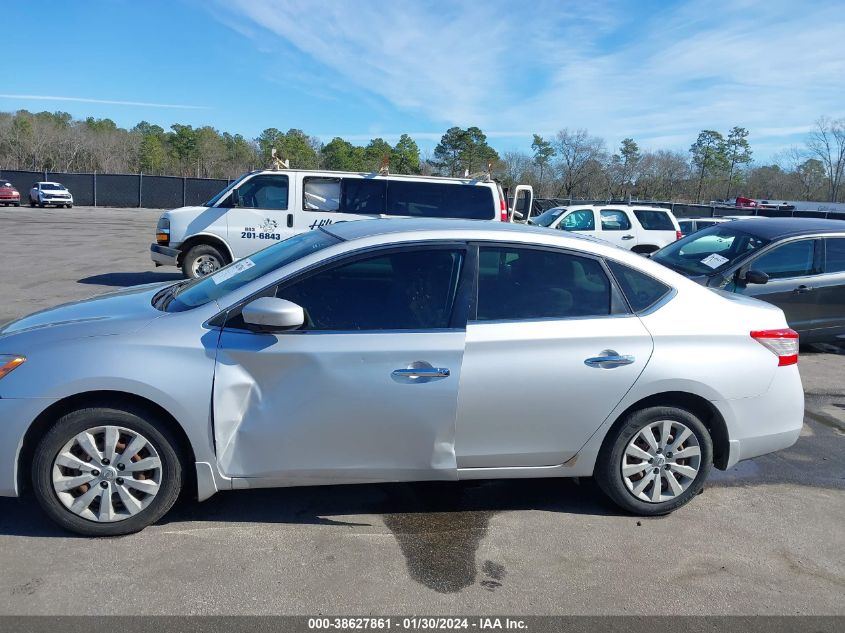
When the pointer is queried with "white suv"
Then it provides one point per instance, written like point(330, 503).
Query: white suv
point(44, 193)
point(640, 229)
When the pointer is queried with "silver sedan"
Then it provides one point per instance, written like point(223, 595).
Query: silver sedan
point(396, 350)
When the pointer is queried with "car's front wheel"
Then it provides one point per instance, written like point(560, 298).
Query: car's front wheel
point(655, 461)
point(105, 471)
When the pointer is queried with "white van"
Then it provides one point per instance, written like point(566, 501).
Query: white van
point(266, 206)
point(641, 229)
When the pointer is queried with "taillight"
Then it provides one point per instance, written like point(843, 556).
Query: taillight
point(782, 343)
point(503, 207)
point(678, 235)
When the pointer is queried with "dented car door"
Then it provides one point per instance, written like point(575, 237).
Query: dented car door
point(365, 391)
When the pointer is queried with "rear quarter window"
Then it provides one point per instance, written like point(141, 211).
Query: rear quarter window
point(655, 220)
point(642, 291)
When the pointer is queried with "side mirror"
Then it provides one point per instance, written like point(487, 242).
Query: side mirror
point(270, 314)
point(234, 199)
point(756, 277)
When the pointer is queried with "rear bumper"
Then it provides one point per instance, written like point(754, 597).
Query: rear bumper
point(16, 415)
point(766, 423)
point(163, 255)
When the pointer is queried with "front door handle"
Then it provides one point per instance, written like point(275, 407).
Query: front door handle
point(802, 288)
point(609, 359)
point(627, 237)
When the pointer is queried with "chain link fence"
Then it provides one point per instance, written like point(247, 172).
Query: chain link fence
point(121, 190)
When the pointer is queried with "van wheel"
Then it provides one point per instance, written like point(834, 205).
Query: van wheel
point(656, 461)
point(202, 260)
point(105, 472)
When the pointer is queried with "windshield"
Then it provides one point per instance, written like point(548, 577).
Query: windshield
point(52, 187)
point(237, 274)
point(709, 250)
point(547, 217)
point(225, 192)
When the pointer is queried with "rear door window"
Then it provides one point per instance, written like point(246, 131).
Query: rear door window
point(834, 255)
point(614, 220)
point(522, 283)
point(440, 200)
point(655, 220)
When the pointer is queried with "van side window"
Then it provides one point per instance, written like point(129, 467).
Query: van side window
point(321, 194)
point(364, 196)
point(440, 200)
point(264, 192)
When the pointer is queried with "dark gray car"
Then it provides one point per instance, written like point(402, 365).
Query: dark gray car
point(798, 264)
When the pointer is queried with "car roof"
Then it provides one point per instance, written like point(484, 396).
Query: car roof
point(776, 228)
point(48, 182)
point(468, 229)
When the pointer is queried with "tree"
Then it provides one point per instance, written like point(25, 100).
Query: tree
point(737, 153)
point(812, 176)
point(341, 155)
point(461, 151)
point(827, 143)
point(629, 153)
point(708, 156)
point(183, 146)
point(575, 150)
point(543, 152)
point(375, 152)
point(406, 156)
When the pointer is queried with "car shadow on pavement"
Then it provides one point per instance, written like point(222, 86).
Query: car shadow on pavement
point(130, 279)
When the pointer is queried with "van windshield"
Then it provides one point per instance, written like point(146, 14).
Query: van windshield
point(197, 292)
point(225, 192)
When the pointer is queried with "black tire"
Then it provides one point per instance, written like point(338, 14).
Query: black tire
point(69, 206)
point(608, 470)
point(17, 204)
point(66, 428)
point(31, 202)
point(198, 251)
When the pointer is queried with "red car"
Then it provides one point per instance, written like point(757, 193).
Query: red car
point(8, 194)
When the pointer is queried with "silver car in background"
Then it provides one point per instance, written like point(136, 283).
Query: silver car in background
point(393, 350)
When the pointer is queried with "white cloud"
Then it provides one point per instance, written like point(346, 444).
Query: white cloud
point(142, 104)
point(769, 65)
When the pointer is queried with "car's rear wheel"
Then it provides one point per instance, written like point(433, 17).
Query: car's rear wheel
point(655, 461)
point(202, 260)
point(106, 472)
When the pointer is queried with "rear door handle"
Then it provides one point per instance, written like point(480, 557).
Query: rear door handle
point(627, 237)
point(802, 288)
point(609, 361)
point(416, 373)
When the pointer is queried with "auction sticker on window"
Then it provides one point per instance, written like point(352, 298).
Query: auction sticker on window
point(714, 261)
point(231, 271)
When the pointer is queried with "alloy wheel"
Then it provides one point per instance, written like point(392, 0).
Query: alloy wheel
point(205, 265)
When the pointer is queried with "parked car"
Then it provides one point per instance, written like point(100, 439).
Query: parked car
point(376, 351)
point(267, 206)
point(691, 225)
point(640, 229)
point(8, 194)
point(798, 264)
point(47, 193)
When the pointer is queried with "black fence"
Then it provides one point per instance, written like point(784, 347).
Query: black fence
point(681, 210)
point(122, 190)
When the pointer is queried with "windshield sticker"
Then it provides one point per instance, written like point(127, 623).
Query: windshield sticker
point(714, 261)
point(231, 271)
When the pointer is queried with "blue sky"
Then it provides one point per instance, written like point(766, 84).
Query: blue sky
point(656, 71)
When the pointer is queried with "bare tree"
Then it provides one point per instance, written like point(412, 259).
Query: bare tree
point(577, 152)
point(827, 143)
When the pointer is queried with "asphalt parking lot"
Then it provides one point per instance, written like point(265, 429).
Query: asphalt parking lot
point(765, 538)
